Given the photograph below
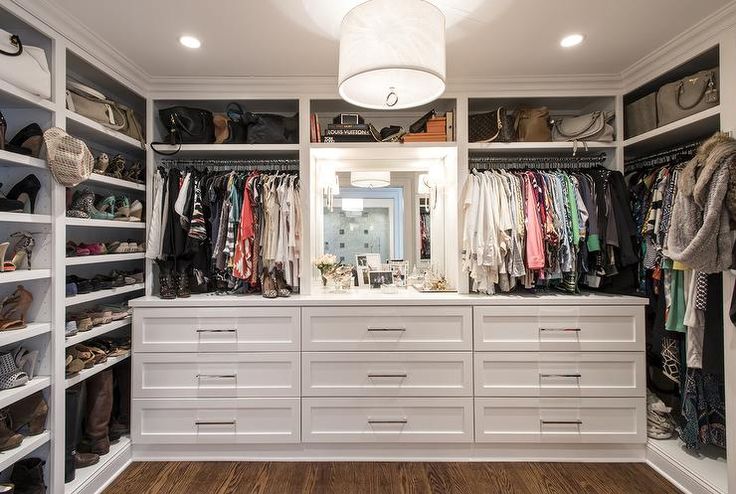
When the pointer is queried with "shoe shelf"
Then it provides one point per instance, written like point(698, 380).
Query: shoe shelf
point(12, 336)
point(89, 223)
point(102, 294)
point(89, 130)
point(84, 260)
point(84, 477)
point(12, 96)
point(83, 336)
point(10, 396)
point(28, 446)
point(15, 159)
point(87, 373)
point(39, 219)
point(24, 275)
point(98, 178)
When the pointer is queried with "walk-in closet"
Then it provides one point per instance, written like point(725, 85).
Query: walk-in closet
point(367, 246)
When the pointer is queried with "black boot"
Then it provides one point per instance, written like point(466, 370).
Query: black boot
point(166, 281)
point(73, 423)
point(28, 476)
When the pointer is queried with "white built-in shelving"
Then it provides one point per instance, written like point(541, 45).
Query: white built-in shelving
point(228, 150)
point(32, 329)
point(89, 130)
point(117, 183)
point(104, 258)
point(100, 330)
point(87, 373)
point(10, 396)
point(29, 446)
point(14, 97)
point(103, 294)
point(36, 219)
point(16, 159)
point(90, 223)
point(85, 478)
point(21, 275)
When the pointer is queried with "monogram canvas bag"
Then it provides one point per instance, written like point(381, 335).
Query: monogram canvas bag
point(495, 126)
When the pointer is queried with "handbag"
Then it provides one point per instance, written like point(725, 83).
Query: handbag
point(495, 126)
point(532, 124)
point(185, 125)
point(222, 128)
point(238, 127)
point(687, 96)
point(25, 67)
point(266, 128)
point(92, 104)
point(641, 115)
point(590, 127)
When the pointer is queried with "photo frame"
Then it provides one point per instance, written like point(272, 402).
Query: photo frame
point(362, 273)
point(370, 261)
point(379, 278)
point(399, 271)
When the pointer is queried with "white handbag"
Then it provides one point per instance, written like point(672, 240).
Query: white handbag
point(25, 67)
point(591, 127)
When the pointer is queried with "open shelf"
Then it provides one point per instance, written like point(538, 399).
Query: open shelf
point(84, 260)
point(84, 476)
point(14, 97)
point(97, 178)
point(87, 373)
point(232, 150)
point(394, 151)
point(103, 294)
point(38, 219)
point(89, 223)
point(16, 159)
point(24, 275)
point(83, 336)
point(28, 446)
point(12, 336)
point(680, 132)
point(89, 130)
point(10, 396)
point(507, 147)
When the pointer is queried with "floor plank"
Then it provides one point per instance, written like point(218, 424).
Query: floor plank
point(388, 478)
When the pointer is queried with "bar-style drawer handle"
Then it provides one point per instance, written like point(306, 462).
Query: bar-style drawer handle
point(377, 329)
point(395, 421)
point(230, 422)
point(562, 330)
point(216, 376)
point(561, 422)
point(397, 375)
point(568, 376)
point(217, 331)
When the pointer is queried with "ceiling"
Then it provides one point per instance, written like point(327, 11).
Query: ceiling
point(485, 38)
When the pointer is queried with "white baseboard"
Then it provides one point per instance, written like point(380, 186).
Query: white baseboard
point(678, 473)
point(95, 479)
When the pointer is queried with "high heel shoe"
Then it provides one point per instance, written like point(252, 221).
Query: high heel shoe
point(27, 141)
point(283, 289)
point(133, 172)
point(83, 206)
point(14, 309)
point(10, 205)
point(136, 211)
point(26, 359)
point(117, 167)
point(29, 412)
point(122, 208)
point(26, 192)
point(268, 285)
point(3, 250)
point(3, 129)
point(101, 163)
point(106, 205)
point(10, 375)
point(22, 249)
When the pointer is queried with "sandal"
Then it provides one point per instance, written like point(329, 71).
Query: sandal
point(22, 250)
point(106, 205)
point(14, 309)
point(26, 360)
point(116, 167)
point(100, 356)
point(10, 375)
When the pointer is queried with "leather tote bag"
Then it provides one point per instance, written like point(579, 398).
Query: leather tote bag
point(532, 125)
point(185, 125)
point(687, 96)
point(24, 66)
point(266, 128)
point(495, 126)
point(641, 115)
point(591, 127)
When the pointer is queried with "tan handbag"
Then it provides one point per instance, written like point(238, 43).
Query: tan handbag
point(222, 128)
point(87, 102)
point(590, 127)
point(687, 96)
point(641, 115)
point(532, 125)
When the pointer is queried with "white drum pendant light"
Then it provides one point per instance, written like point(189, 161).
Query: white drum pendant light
point(392, 54)
point(370, 179)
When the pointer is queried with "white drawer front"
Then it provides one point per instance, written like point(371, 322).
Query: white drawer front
point(245, 420)
point(215, 375)
point(387, 328)
point(387, 374)
point(560, 420)
point(598, 374)
point(562, 328)
point(241, 329)
point(394, 420)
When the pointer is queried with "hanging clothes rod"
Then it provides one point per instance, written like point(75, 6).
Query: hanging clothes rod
point(661, 157)
point(537, 162)
point(235, 165)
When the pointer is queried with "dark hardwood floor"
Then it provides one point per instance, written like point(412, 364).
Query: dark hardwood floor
point(389, 478)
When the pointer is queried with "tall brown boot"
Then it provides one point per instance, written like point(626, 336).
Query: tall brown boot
point(9, 439)
point(99, 407)
point(31, 412)
point(120, 421)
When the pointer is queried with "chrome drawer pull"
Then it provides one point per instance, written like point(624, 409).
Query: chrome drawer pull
point(231, 422)
point(402, 375)
point(395, 421)
point(562, 330)
point(217, 331)
point(568, 376)
point(375, 329)
point(561, 422)
point(216, 376)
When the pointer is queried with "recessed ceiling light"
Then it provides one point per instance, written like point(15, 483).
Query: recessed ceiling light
point(572, 40)
point(190, 42)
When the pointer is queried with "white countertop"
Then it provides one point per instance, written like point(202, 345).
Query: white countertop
point(363, 297)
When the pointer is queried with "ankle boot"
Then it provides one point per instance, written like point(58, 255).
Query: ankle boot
point(28, 476)
point(182, 285)
point(73, 424)
point(31, 412)
point(9, 439)
point(166, 282)
point(99, 407)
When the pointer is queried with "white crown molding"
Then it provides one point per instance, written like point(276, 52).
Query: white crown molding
point(697, 39)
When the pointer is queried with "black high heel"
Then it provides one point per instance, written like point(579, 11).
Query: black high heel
point(27, 141)
point(10, 205)
point(26, 192)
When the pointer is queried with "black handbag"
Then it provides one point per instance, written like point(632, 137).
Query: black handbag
point(185, 125)
point(266, 128)
point(494, 126)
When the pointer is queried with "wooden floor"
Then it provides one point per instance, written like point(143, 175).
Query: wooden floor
point(388, 478)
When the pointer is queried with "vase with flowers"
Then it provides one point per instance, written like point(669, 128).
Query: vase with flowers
point(325, 264)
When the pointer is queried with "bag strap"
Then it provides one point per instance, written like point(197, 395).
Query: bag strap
point(234, 108)
point(15, 41)
point(680, 90)
point(172, 141)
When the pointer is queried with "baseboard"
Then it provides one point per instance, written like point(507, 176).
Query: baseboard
point(679, 474)
point(95, 479)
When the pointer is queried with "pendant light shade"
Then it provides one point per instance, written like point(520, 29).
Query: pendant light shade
point(392, 54)
point(371, 179)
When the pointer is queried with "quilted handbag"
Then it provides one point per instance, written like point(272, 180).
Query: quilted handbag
point(641, 115)
point(532, 124)
point(590, 127)
point(185, 125)
point(24, 66)
point(687, 96)
point(494, 126)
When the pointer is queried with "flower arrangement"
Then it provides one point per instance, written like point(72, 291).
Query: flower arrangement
point(325, 263)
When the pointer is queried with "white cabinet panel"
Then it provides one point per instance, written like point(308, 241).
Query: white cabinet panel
point(387, 374)
point(390, 420)
point(386, 328)
point(561, 328)
point(215, 375)
point(592, 374)
point(560, 420)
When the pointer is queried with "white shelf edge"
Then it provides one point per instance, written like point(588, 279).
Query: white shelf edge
point(87, 373)
point(102, 130)
point(229, 147)
point(86, 477)
point(679, 124)
point(25, 218)
point(103, 294)
point(83, 336)
point(84, 260)
point(12, 336)
point(24, 275)
point(542, 146)
point(15, 159)
point(26, 96)
point(90, 223)
point(369, 145)
point(98, 178)
point(28, 446)
point(10, 396)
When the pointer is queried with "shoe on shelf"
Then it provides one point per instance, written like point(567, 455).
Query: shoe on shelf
point(118, 247)
point(7, 488)
point(70, 329)
point(166, 282)
point(28, 476)
point(10, 205)
point(122, 208)
point(87, 358)
point(84, 460)
point(27, 141)
point(83, 206)
point(10, 375)
point(23, 244)
point(71, 289)
point(26, 360)
point(134, 172)
point(14, 309)
point(284, 290)
point(9, 439)
point(182, 285)
point(101, 163)
point(102, 281)
point(117, 167)
point(26, 191)
point(30, 413)
point(73, 365)
point(96, 249)
point(136, 211)
point(83, 320)
point(106, 205)
point(268, 284)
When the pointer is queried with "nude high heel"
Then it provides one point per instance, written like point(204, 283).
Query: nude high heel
point(3, 250)
point(23, 249)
